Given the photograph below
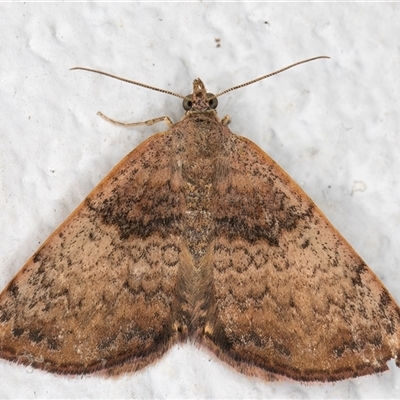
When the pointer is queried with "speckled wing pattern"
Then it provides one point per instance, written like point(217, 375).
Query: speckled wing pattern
point(101, 291)
point(197, 234)
point(292, 297)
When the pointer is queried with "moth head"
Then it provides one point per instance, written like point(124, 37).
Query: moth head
point(200, 100)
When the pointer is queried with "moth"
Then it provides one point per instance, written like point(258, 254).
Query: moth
point(199, 235)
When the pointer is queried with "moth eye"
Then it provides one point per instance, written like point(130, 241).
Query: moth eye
point(187, 103)
point(213, 101)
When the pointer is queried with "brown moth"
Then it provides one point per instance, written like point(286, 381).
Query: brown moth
point(198, 235)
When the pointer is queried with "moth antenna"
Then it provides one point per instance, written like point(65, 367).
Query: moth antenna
point(129, 81)
point(268, 75)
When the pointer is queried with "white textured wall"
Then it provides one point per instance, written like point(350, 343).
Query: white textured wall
point(333, 125)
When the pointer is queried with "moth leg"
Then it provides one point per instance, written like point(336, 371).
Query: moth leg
point(226, 120)
point(150, 122)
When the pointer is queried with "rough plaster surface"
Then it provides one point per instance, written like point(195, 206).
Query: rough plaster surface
point(333, 125)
